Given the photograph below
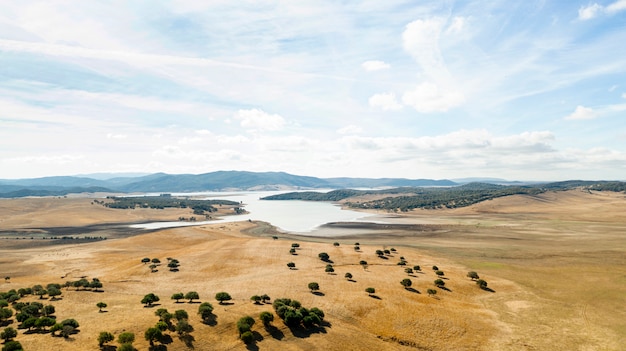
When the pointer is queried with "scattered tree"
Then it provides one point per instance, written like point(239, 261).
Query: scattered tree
point(222, 296)
point(472, 275)
point(12, 346)
point(292, 251)
point(145, 260)
point(406, 282)
point(100, 306)
point(266, 318)
point(313, 286)
point(265, 298)
point(126, 347)
point(126, 338)
point(149, 299)
point(291, 265)
point(178, 296)
point(104, 337)
point(181, 315)
point(481, 283)
point(417, 268)
point(380, 253)
point(439, 273)
point(329, 269)
point(408, 270)
point(431, 292)
point(8, 334)
point(247, 337)
point(156, 261)
point(439, 283)
point(348, 276)
point(153, 334)
point(256, 299)
point(324, 256)
point(435, 268)
point(363, 264)
point(370, 291)
point(205, 310)
point(192, 295)
point(335, 244)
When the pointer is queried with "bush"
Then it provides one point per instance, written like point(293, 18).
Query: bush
point(104, 337)
point(247, 337)
point(222, 296)
point(12, 346)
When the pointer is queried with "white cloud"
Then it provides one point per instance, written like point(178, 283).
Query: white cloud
point(385, 101)
point(351, 129)
point(582, 113)
point(594, 10)
point(259, 120)
point(374, 65)
point(116, 136)
point(624, 96)
point(428, 97)
point(457, 26)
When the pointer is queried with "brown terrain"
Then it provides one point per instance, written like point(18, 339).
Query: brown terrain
point(555, 264)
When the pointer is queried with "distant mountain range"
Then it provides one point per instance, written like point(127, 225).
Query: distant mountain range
point(214, 181)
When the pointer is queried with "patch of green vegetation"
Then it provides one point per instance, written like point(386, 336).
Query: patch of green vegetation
point(161, 202)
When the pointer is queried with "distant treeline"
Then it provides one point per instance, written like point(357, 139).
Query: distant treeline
point(408, 198)
point(161, 202)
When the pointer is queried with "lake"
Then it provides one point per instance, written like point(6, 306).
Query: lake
point(288, 215)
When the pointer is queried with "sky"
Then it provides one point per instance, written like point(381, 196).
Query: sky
point(519, 90)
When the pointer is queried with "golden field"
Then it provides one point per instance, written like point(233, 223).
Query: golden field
point(556, 263)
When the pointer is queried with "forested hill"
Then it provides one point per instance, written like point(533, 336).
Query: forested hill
point(408, 198)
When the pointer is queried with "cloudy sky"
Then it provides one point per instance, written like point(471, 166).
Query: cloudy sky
point(526, 90)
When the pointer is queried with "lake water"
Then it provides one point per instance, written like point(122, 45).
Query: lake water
point(288, 215)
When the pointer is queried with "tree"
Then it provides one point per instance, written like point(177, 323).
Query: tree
point(156, 261)
point(178, 296)
point(417, 268)
point(145, 260)
point(266, 318)
point(48, 310)
point(481, 283)
point(126, 347)
point(71, 322)
point(256, 299)
point(348, 276)
point(335, 244)
point(95, 284)
point(329, 269)
point(56, 327)
point(431, 292)
point(472, 275)
point(408, 270)
point(192, 295)
point(153, 334)
point(439, 283)
point(5, 314)
point(313, 286)
point(183, 327)
point(101, 305)
point(295, 245)
point(292, 251)
point(149, 299)
point(53, 293)
point(43, 322)
point(67, 330)
point(247, 337)
point(439, 273)
point(222, 296)
point(104, 337)
point(205, 310)
point(323, 256)
point(380, 253)
point(126, 338)
point(181, 315)
point(370, 291)
point(406, 282)
point(12, 346)
point(244, 324)
point(7, 334)
point(363, 264)
point(291, 265)
point(153, 268)
point(265, 298)
point(435, 268)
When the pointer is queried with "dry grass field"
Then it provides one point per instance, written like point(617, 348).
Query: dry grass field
point(556, 263)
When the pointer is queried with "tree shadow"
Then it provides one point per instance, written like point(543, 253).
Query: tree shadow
point(412, 290)
point(488, 289)
point(152, 305)
point(293, 268)
point(318, 293)
point(211, 320)
point(444, 288)
point(166, 339)
point(274, 332)
point(300, 332)
point(329, 261)
point(108, 348)
point(383, 257)
point(375, 297)
point(188, 340)
point(225, 303)
point(351, 280)
point(157, 348)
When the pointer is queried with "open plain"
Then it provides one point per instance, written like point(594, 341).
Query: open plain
point(555, 264)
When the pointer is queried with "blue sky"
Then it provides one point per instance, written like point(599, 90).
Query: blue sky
point(529, 90)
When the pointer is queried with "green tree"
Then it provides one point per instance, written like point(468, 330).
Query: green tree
point(205, 310)
point(183, 328)
point(363, 264)
point(265, 298)
point(408, 271)
point(48, 310)
point(153, 334)
point(126, 347)
point(145, 260)
point(370, 291)
point(348, 276)
point(149, 299)
point(5, 314)
point(435, 268)
point(323, 256)
point(266, 318)
point(335, 244)
point(256, 299)
point(481, 283)
point(192, 295)
point(472, 275)
point(431, 292)
point(71, 322)
point(439, 273)
point(247, 337)
point(178, 296)
point(406, 282)
point(126, 338)
point(222, 296)
point(417, 268)
point(181, 315)
point(244, 324)
point(440, 283)
point(7, 334)
point(313, 286)
point(156, 261)
point(100, 306)
point(12, 346)
point(291, 265)
point(329, 269)
point(105, 337)
point(380, 253)
point(95, 284)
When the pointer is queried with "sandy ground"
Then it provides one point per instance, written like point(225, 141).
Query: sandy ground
point(556, 263)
